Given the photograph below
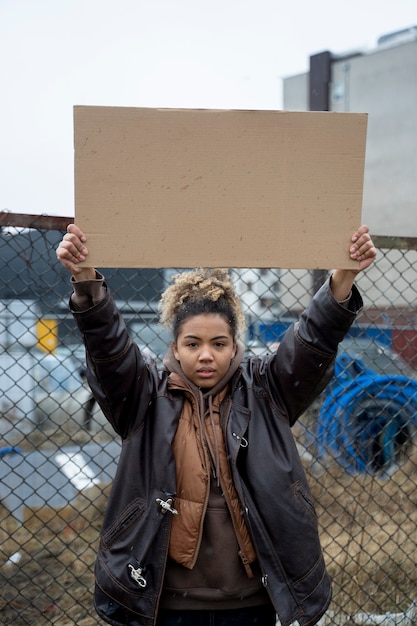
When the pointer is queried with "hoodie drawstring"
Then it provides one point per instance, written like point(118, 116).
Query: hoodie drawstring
point(214, 455)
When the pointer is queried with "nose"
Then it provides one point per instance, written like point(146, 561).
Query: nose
point(205, 354)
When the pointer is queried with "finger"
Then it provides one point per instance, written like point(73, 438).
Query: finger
point(362, 243)
point(367, 260)
point(76, 230)
point(67, 262)
point(73, 243)
point(68, 254)
point(362, 230)
point(366, 251)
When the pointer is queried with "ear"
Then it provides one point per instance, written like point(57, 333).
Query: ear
point(175, 351)
point(234, 350)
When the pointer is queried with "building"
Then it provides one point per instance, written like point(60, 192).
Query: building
point(381, 82)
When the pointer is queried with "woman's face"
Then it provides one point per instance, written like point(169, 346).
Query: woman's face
point(205, 348)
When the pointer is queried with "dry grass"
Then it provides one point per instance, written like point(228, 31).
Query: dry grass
point(369, 536)
point(53, 581)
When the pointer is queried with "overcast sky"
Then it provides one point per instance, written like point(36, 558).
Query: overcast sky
point(155, 53)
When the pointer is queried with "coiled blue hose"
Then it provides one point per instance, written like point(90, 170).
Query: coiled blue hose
point(10, 450)
point(366, 420)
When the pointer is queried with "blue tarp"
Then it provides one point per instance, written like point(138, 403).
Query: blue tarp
point(366, 420)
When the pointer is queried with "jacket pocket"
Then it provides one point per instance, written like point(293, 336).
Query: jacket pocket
point(129, 516)
point(302, 495)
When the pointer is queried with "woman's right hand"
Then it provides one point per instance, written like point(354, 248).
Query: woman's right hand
point(72, 250)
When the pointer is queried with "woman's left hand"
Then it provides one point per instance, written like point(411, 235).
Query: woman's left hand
point(362, 248)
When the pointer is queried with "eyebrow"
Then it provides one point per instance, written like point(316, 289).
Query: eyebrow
point(212, 339)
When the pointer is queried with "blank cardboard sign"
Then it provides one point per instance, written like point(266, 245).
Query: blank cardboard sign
point(218, 188)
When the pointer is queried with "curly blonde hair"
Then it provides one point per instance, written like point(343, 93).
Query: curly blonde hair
point(201, 291)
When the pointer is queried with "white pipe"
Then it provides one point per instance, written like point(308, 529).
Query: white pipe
point(407, 618)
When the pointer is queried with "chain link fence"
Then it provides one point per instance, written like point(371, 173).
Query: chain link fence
point(58, 455)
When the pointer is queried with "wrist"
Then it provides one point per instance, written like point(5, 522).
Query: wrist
point(84, 273)
point(341, 283)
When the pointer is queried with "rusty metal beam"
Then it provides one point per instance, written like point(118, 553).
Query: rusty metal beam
point(45, 222)
point(395, 243)
point(52, 222)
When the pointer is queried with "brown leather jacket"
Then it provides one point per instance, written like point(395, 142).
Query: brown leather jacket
point(267, 394)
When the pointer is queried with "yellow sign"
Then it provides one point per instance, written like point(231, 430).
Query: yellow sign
point(47, 334)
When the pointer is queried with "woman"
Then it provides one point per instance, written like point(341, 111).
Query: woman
point(210, 519)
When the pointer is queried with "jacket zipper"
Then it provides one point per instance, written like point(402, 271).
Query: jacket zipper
point(158, 598)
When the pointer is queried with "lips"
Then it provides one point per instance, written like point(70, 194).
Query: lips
point(206, 371)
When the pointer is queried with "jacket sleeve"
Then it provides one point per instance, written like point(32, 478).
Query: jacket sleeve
point(117, 373)
point(304, 362)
